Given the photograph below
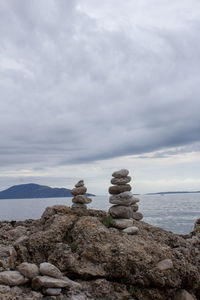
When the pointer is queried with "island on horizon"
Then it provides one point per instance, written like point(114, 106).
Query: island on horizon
point(33, 190)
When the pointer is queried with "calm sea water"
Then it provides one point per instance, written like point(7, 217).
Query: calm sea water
point(174, 212)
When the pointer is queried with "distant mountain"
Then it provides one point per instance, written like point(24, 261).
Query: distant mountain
point(181, 192)
point(32, 190)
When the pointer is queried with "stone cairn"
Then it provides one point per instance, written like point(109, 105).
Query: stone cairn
point(80, 200)
point(125, 208)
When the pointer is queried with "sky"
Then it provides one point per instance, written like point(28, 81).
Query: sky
point(89, 87)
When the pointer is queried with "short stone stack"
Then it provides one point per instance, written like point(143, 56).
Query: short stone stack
point(125, 205)
point(80, 200)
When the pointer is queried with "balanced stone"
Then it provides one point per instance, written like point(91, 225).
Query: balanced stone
point(79, 190)
point(81, 199)
point(79, 183)
point(123, 223)
point(125, 198)
point(131, 230)
point(121, 173)
point(120, 181)
point(135, 207)
point(117, 189)
point(12, 278)
point(50, 270)
point(50, 282)
point(28, 270)
point(137, 216)
point(79, 205)
point(119, 211)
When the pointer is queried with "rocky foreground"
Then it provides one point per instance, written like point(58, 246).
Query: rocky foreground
point(71, 254)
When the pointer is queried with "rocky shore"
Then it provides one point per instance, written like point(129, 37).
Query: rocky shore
point(74, 254)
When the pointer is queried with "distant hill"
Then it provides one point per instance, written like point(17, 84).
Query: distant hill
point(32, 190)
point(165, 193)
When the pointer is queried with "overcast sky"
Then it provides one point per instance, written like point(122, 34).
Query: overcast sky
point(89, 87)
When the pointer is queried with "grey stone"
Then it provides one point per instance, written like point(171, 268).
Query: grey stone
point(120, 181)
point(122, 200)
point(79, 191)
point(134, 207)
point(17, 232)
point(165, 264)
point(183, 295)
point(121, 173)
point(79, 205)
point(137, 216)
point(123, 223)
point(12, 278)
point(82, 199)
point(52, 291)
point(79, 183)
point(117, 189)
point(4, 289)
point(28, 270)
point(121, 212)
point(50, 282)
point(50, 270)
point(131, 230)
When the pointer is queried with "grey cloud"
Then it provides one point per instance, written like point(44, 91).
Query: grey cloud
point(79, 93)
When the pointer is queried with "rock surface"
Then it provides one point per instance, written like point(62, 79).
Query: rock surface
point(50, 270)
point(28, 270)
point(100, 262)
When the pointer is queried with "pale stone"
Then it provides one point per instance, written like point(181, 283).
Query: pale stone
point(79, 205)
point(183, 295)
point(120, 181)
point(28, 270)
point(82, 199)
point(51, 291)
point(12, 278)
point(79, 191)
point(117, 189)
point(123, 223)
point(137, 216)
point(131, 230)
point(121, 212)
point(135, 207)
point(50, 270)
point(165, 264)
point(79, 183)
point(121, 173)
point(50, 282)
point(120, 200)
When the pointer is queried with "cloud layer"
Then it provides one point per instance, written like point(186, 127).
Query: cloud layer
point(84, 81)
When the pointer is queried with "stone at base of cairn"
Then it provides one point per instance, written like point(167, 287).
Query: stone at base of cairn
point(80, 200)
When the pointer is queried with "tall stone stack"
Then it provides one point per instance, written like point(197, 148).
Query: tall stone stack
point(80, 200)
point(125, 207)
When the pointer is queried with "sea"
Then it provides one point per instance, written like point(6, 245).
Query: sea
point(172, 212)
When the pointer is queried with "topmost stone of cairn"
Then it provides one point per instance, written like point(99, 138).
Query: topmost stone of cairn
point(79, 183)
point(121, 173)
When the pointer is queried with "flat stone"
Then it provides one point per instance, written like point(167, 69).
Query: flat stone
point(120, 181)
point(131, 230)
point(79, 205)
point(121, 212)
point(117, 189)
point(52, 291)
point(28, 270)
point(165, 264)
point(79, 183)
point(137, 216)
point(125, 199)
point(183, 295)
point(50, 282)
point(123, 223)
point(79, 190)
point(134, 207)
point(82, 199)
point(121, 173)
point(50, 270)
point(12, 278)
